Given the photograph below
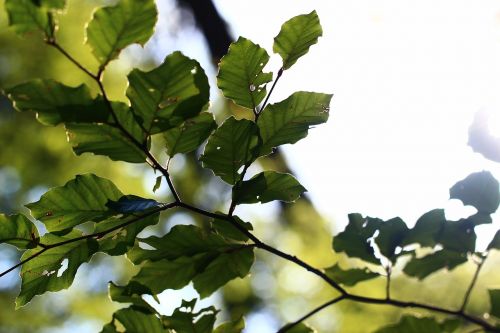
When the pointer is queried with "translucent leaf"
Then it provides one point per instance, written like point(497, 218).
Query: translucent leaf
point(268, 186)
point(185, 320)
point(114, 28)
point(134, 319)
point(187, 254)
point(229, 148)
point(349, 277)
point(296, 37)
point(236, 326)
point(289, 121)
point(130, 293)
point(427, 230)
point(412, 324)
point(495, 302)
point(354, 240)
point(18, 230)
point(391, 234)
point(110, 140)
point(24, 16)
point(423, 267)
point(47, 272)
point(55, 103)
point(240, 73)
point(80, 200)
point(228, 230)
point(131, 204)
point(169, 94)
point(189, 135)
point(480, 190)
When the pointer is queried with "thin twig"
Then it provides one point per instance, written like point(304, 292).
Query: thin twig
point(472, 283)
point(52, 42)
point(23, 262)
point(280, 73)
point(388, 271)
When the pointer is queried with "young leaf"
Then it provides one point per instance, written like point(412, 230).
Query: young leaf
point(80, 200)
point(427, 230)
point(188, 254)
point(411, 324)
point(109, 139)
point(18, 230)
point(114, 28)
point(423, 267)
point(495, 302)
point(240, 73)
point(351, 276)
point(231, 327)
point(189, 135)
point(268, 186)
point(296, 36)
point(480, 190)
point(289, 121)
point(391, 234)
point(47, 271)
point(169, 94)
point(55, 103)
point(354, 240)
point(24, 16)
point(229, 148)
point(134, 319)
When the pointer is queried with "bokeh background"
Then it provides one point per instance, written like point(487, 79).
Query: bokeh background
point(408, 78)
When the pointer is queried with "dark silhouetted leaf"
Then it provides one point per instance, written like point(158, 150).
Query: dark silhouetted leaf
point(240, 73)
point(426, 231)
point(288, 121)
point(114, 28)
point(495, 242)
point(229, 148)
point(423, 267)
point(494, 302)
point(231, 327)
point(349, 277)
point(134, 319)
point(130, 293)
point(296, 36)
point(268, 186)
point(185, 320)
point(131, 204)
point(391, 234)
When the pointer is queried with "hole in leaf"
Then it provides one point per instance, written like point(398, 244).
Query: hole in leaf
point(194, 70)
point(218, 148)
point(146, 246)
point(63, 268)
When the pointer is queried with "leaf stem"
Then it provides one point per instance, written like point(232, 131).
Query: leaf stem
point(280, 73)
point(472, 283)
point(388, 270)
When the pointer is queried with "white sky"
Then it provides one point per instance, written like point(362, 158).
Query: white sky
point(407, 78)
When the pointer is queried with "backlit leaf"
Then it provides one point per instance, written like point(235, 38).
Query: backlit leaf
point(240, 73)
point(495, 302)
point(349, 277)
point(134, 319)
point(18, 230)
point(412, 324)
point(268, 186)
point(296, 36)
point(130, 293)
point(288, 121)
point(166, 96)
point(228, 230)
point(236, 326)
point(114, 28)
point(229, 148)
point(80, 200)
point(189, 135)
point(185, 319)
point(24, 16)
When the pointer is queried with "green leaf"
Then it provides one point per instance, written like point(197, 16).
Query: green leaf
point(495, 302)
point(157, 183)
point(25, 17)
point(114, 28)
point(185, 320)
point(130, 293)
point(427, 230)
point(228, 230)
point(231, 327)
point(240, 73)
point(166, 96)
point(55, 103)
point(296, 36)
point(349, 277)
point(289, 121)
point(134, 319)
point(495, 242)
point(354, 240)
point(458, 236)
point(390, 237)
point(412, 324)
point(189, 135)
point(18, 230)
point(268, 186)
point(131, 204)
point(229, 148)
point(189, 254)
point(46, 272)
point(80, 200)
point(120, 241)
point(480, 190)
point(301, 328)
point(423, 267)
point(109, 139)
point(51, 4)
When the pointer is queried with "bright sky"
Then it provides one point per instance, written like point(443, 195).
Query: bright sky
point(407, 78)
